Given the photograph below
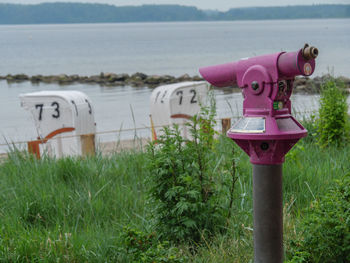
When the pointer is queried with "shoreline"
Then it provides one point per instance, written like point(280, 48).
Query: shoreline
point(301, 84)
point(110, 147)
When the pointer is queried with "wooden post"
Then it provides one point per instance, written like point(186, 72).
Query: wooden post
point(87, 144)
point(33, 148)
point(226, 125)
point(153, 130)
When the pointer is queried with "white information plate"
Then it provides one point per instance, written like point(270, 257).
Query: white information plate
point(249, 125)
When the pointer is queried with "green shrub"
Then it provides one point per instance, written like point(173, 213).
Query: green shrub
point(144, 247)
point(333, 124)
point(192, 181)
point(325, 228)
point(311, 125)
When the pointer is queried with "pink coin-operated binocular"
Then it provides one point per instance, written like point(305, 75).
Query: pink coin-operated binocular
point(267, 131)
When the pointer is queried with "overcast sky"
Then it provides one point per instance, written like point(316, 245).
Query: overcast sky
point(222, 5)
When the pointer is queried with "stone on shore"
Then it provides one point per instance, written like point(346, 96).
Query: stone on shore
point(197, 78)
point(95, 79)
point(36, 78)
point(16, 78)
point(139, 76)
point(111, 77)
point(122, 77)
point(153, 80)
point(184, 77)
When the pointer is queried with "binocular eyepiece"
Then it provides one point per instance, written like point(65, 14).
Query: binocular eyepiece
point(309, 52)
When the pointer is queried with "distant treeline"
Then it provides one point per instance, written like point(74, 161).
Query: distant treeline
point(47, 13)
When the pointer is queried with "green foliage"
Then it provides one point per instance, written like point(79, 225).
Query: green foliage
point(311, 125)
point(325, 228)
point(289, 12)
point(299, 257)
point(47, 13)
point(294, 155)
point(191, 180)
point(74, 209)
point(145, 247)
point(333, 124)
point(66, 210)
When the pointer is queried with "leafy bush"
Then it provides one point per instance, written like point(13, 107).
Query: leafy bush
point(333, 125)
point(311, 125)
point(325, 228)
point(144, 247)
point(191, 181)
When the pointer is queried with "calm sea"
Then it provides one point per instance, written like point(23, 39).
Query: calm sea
point(166, 48)
point(153, 48)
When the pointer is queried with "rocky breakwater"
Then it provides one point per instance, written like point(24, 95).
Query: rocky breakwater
point(301, 84)
point(313, 85)
point(104, 79)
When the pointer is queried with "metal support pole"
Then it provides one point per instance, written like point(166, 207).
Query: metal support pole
point(267, 213)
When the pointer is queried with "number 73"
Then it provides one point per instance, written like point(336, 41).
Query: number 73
point(56, 109)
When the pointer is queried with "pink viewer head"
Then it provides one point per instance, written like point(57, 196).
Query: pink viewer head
point(267, 130)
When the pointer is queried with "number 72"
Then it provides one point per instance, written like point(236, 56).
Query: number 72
point(193, 98)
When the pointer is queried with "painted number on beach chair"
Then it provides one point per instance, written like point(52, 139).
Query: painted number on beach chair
point(193, 99)
point(40, 107)
point(75, 106)
point(56, 110)
point(164, 94)
point(56, 115)
point(180, 92)
point(89, 105)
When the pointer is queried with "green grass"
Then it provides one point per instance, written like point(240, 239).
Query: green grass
point(73, 209)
